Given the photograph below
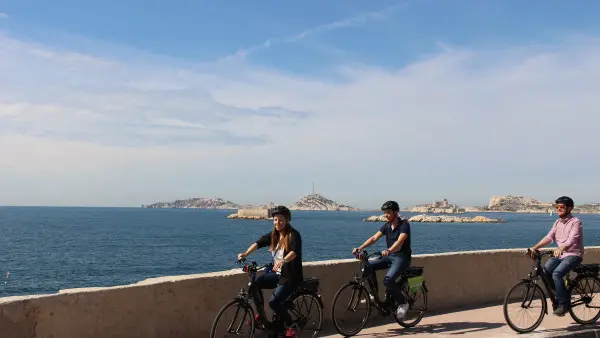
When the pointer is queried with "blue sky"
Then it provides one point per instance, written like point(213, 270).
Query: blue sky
point(128, 103)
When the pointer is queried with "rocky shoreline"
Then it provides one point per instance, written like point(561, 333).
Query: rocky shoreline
point(439, 219)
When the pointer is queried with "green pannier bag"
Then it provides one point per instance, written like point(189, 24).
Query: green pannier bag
point(415, 283)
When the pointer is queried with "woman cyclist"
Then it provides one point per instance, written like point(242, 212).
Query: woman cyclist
point(285, 245)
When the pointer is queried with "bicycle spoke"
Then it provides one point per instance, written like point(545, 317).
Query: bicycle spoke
point(416, 310)
point(236, 320)
point(585, 304)
point(524, 307)
point(350, 309)
point(302, 310)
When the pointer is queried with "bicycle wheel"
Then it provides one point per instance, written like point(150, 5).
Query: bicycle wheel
point(525, 299)
point(583, 301)
point(416, 310)
point(305, 319)
point(359, 296)
point(242, 323)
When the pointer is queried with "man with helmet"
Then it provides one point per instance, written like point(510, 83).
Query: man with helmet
point(397, 255)
point(285, 245)
point(567, 232)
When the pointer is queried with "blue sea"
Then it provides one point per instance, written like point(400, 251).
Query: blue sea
point(46, 249)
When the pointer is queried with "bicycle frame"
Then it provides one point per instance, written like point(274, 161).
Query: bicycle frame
point(539, 272)
point(369, 280)
point(252, 269)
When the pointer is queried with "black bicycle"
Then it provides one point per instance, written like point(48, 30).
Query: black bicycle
point(364, 291)
point(581, 289)
point(244, 322)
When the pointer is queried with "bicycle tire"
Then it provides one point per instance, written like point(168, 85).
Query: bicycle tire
point(362, 324)
point(405, 324)
point(571, 288)
point(241, 303)
point(319, 303)
point(537, 289)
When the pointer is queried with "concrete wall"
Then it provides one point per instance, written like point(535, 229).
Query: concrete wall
point(184, 306)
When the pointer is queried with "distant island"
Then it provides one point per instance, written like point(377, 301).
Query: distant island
point(516, 204)
point(196, 203)
point(439, 219)
point(309, 202)
point(319, 202)
point(521, 204)
point(437, 207)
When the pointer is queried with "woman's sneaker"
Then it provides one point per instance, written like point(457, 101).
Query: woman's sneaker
point(401, 311)
point(259, 324)
point(290, 332)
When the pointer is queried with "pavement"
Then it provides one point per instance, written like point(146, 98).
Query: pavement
point(479, 322)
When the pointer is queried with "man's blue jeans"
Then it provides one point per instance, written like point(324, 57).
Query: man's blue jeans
point(276, 302)
point(398, 263)
point(556, 269)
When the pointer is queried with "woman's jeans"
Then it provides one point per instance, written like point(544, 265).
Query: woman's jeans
point(277, 301)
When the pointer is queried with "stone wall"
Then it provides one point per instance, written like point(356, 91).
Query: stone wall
point(184, 306)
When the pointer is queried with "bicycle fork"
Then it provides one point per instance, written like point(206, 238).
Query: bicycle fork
point(526, 303)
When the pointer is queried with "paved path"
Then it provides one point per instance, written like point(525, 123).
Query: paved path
point(482, 322)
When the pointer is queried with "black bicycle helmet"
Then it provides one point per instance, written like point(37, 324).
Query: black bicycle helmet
point(567, 201)
point(390, 205)
point(282, 209)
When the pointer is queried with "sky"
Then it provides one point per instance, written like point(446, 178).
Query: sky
point(128, 103)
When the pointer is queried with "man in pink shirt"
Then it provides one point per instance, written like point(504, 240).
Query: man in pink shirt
point(567, 232)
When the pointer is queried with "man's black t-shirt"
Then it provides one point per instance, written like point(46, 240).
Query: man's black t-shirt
point(391, 235)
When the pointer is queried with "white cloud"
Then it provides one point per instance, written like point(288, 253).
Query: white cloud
point(463, 124)
point(3, 15)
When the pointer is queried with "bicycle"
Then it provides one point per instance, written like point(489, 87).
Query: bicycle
point(411, 284)
point(586, 273)
point(309, 289)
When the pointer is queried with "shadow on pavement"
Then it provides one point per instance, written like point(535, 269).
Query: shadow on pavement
point(570, 329)
point(457, 328)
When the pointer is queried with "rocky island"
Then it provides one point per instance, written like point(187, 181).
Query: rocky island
point(521, 204)
point(197, 203)
point(319, 202)
point(309, 202)
point(439, 219)
point(437, 207)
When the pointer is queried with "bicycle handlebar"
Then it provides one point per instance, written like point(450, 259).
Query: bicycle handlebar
point(539, 254)
point(364, 255)
point(252, 267)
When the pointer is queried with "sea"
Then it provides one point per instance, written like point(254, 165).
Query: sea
point(46, 249)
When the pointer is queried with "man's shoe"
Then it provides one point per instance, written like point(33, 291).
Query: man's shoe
point(401, 311)
point(561, 310)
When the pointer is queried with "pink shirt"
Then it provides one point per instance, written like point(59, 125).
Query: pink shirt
point(568, 232)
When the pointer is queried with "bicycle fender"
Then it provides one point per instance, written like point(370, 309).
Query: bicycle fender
point(320, 301)
point(308, 292)
point(425, 287)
